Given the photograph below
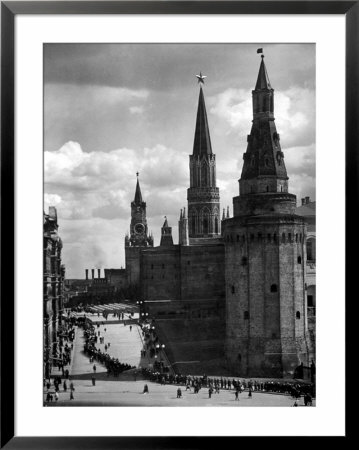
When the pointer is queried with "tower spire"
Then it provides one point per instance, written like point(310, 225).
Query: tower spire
point(138, 195)
point(263, 79)
point(202, 141)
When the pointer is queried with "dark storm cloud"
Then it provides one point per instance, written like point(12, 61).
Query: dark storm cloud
point(172, 66)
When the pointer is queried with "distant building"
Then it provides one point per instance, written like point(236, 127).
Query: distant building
point(54, 274)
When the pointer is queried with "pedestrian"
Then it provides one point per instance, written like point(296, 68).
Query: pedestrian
point(236, 394)
point(56, 396)
point(94, 368)
point(145, 389)
point(93, 381)
point(210, 392)
point(71, 395)
point(295, 403)
point(65, 386)
point(250, 392)
point(179, 393)
point(130, 327)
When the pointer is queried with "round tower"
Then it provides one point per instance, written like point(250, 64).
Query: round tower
point(266, 323)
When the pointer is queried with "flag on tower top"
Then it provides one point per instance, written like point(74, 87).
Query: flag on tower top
point(259, 50)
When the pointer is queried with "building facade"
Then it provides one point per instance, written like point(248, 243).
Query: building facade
point(53, 290)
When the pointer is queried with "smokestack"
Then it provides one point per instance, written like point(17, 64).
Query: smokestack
point(87, 274)
point(93, 273)
point(99, 273)
point(307, 199)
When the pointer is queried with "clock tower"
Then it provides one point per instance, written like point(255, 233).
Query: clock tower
point(138, 238)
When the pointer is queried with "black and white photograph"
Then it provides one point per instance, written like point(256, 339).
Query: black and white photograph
point(179, 224)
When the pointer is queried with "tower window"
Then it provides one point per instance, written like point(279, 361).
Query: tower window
point(151, 266)
point(283, 238)
point(297, 315)
point(266, 162)
point(188, 263)
point(281, 188)
point(274, 237)
point(289, 237)
point(163, 266)
point(268, 237)
point(311, 249)
point(274, 288)
point(299, 260)
point(237, 237)
point(244, 260)
point(310, 301)
point(216, 225)
point(267, 188)
point(252, 237)
point(296, 237)
point(246, 315)
point(205, 225)
point(233, 289)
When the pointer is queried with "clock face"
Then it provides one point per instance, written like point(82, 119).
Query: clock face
point(139, 228)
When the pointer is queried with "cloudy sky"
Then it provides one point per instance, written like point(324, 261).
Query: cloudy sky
point(111, 110)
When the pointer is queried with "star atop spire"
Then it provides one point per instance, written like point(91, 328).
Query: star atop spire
point(201, 78)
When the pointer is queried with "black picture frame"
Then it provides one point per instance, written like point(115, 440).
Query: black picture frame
point(9, 10)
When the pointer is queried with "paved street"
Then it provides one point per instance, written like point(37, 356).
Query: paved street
point(129, 393)
point(126, 390)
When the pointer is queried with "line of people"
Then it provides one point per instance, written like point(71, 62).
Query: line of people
point(295, 389)
point(113, 365)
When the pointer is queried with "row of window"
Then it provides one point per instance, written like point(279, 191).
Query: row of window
point(270, 237)
point(273, 288)
point(246, 315)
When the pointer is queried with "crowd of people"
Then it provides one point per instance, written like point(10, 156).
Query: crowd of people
point(215, 384)
point(113, 365)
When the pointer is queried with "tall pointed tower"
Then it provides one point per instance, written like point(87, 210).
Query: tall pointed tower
point(138, 238)
point(203, 194)
point(166, 234)
point(266, 324)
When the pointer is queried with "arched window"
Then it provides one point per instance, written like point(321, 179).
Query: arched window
point(216, 228)
point(299, 260)
point(267, 188)
point(193, 225)
point(246, 315)
point(244, 260)
point(233, 289)
point(283, 238)
point(274, 288)
point(205, 225)
point(311, 249)
point(297, 315)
